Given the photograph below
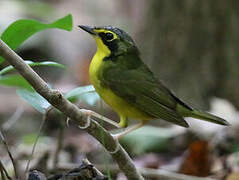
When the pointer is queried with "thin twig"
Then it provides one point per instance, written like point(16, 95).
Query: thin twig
point(86, 161)
point(13, 119)
point(9, 154)
point(59, 146)
point(2, 175)
point(35, 143)
point(3, 169)
point(56, 99)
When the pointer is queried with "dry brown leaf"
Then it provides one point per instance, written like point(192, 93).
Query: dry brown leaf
point(197, 161)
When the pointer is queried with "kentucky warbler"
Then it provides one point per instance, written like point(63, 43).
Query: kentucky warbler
point(125, 83)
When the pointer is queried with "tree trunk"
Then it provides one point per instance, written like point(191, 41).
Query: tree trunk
point(193, 46)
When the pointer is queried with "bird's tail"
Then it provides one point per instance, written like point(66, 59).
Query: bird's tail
point(208, 117)
point(189, 112)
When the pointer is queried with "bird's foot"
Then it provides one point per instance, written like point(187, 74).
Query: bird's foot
point(67, 121)
point(127, 131)
point(117, 136)
point(94, 114)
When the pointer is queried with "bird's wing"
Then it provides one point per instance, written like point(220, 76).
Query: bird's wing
point(142, 90)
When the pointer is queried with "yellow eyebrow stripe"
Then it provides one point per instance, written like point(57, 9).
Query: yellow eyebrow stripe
point(106, 31)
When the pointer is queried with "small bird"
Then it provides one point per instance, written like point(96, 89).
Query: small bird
point(126, 84)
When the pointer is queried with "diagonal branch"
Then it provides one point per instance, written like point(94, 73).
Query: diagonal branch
point(56, 99)
point(14, 164)
point(4, 171)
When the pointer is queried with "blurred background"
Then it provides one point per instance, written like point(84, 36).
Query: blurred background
point(191, 45)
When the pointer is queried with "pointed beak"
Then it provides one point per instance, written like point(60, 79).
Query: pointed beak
point(88, 29)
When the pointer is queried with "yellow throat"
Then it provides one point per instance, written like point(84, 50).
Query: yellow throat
point(101, 53)
point(117, 103)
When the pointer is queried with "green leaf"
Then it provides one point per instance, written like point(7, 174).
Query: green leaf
point(21, 30)
point(34, 99)
point(84, 93)
point(150, 139)
point(15, 80)
point(32, 64)
point(30, 139)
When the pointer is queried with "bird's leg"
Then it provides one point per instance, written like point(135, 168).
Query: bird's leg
point(123, 122)
point(90, 113)
point(128, 130)
point(94, 114)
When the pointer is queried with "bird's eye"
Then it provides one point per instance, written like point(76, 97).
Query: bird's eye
point(109, 36)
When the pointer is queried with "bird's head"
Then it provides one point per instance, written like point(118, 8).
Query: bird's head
point(111, 40)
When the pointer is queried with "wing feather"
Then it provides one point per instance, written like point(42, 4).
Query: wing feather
point(142, 90)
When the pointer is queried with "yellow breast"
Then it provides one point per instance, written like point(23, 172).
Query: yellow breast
point(122, 107)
